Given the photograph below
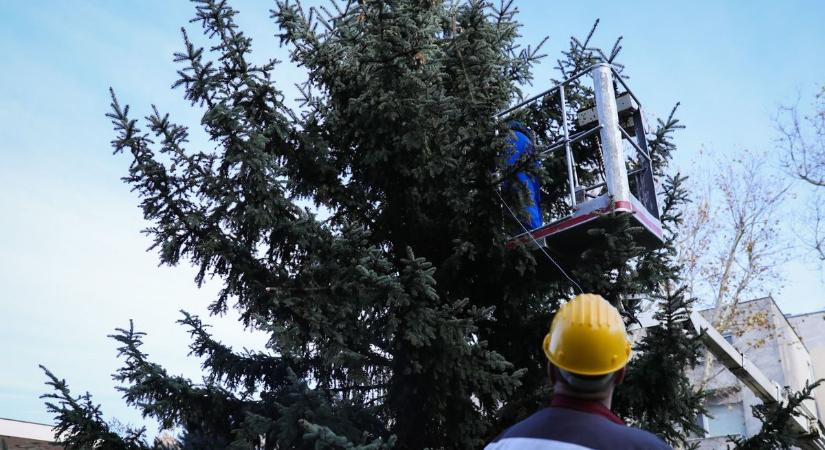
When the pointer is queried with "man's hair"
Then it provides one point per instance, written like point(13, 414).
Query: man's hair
point(586, 384)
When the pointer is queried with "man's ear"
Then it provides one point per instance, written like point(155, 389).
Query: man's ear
point(619, 377)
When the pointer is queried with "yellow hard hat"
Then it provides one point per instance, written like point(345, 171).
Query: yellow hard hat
point(587, 337)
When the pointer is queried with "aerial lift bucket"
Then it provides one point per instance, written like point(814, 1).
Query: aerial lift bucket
point(615, 120)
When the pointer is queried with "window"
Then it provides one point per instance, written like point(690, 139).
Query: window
point(724, 420)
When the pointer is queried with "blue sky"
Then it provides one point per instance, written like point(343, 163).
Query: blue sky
point(73, 264)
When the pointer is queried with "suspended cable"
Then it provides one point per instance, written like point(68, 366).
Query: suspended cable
point(540, 247)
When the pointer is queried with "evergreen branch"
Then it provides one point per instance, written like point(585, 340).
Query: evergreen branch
point(80, 423)
point(323, 437)
point(169, 399)
point(252, 371)
point(776, 431)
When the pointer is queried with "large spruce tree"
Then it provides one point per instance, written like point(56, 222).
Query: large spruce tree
point(397, 316)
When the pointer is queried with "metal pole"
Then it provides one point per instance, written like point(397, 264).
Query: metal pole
point(542, 94)
point(567, 152)
point(619, 78)
point(615, 170)
point(575, 138)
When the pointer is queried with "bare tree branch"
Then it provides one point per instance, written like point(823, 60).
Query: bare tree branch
point(729, 246)
point(802, 145)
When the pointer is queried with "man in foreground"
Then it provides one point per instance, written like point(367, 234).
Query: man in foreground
point(587, 348)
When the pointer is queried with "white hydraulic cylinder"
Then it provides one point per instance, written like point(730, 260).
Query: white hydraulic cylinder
point(618, 187)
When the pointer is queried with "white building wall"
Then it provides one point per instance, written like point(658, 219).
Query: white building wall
point(811, 330)
point(765, 336)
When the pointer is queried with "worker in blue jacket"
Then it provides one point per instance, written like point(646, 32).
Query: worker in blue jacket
point(520, 150)
point(587, 348)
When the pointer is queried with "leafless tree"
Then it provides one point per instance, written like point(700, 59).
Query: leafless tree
point(802, 145)
point(730, 243)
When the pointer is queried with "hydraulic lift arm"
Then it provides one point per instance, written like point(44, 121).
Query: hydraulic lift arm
point(767, 390)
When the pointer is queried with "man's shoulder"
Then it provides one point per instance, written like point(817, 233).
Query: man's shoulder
point(645, 439)
point(574, 430)
point(532, 444)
